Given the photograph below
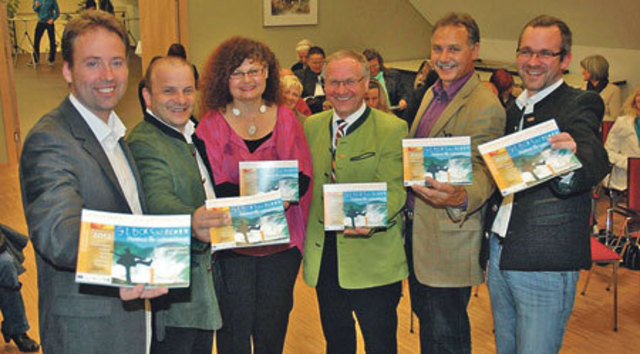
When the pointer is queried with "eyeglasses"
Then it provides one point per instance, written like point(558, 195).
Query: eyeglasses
point(349, 83)
point(541, 54)
point(252, 74)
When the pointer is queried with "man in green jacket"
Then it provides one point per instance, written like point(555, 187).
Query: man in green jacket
point(356, 271)
point(176, 180)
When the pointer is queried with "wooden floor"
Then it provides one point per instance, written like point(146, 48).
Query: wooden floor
point(589, 329)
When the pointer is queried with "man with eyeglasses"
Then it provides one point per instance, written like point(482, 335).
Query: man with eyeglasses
point(444, 222)
point(540, 237)
point(311, 78)
point(356, 271)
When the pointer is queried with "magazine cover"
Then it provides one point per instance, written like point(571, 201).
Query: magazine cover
point(257, 220)
point(267, 176)
point(446, 160)
point(351, 205)
point(124, 250)
point(524, 159)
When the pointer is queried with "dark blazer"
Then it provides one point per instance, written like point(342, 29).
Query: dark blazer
point(63, 169)
point(549, 225)
point(395, 88)
point(309, 79)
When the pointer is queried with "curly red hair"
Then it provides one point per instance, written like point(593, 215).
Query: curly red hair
point(214, 82)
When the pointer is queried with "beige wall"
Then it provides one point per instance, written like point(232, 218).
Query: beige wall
point(394, 27)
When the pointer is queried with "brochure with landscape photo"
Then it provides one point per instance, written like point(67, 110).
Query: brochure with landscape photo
point(446, 160)
point(351, 205)
point(124, 250)
point(267, 176)
point(524, 159)
point(257, 220)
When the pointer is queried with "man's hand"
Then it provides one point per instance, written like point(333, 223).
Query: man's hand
point(203, 219)
point(402, 104)
point(140, 292)
point(441, 194)
point(50, 21)
point(358, 231)
point(563, 141)
point(286, 205)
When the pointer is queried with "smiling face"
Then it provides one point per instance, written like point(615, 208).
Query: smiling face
point(172, 94)
point(538, 73)
point(345, 85)
point(98, 77)
point(315, 62)
point(451, 53)
point(372, 98)
point(251, 81)
point(290, 96)
point(374, 67)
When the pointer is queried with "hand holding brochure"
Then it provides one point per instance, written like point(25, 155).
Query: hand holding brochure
point(255, 221)
point(351, 205)
point(124, 250)
point(524, 159)
point(446, 160)
point(266, 176)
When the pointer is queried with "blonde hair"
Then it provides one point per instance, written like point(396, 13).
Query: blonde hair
point(382, 96)
point(630, 106)
point(289, 82)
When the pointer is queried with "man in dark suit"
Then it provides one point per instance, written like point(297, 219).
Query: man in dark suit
point(75, 158)
point(311, 78)
point(540, 237)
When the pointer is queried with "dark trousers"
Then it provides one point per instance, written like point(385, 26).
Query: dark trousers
point(184, 340)
point(442, 312)
point(11, 303)
point(375, 309)
point(255, 296)
point(40, 27)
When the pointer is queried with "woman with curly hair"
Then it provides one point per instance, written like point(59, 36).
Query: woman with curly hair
point(244, 121)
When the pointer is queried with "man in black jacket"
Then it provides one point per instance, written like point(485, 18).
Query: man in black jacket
point(540, 237)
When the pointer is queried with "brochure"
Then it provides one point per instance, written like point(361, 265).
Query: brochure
point(266, 176)
point(524, 159)
point(124, 250)
point(446, 160)
point(257, 220)
point(351, 205)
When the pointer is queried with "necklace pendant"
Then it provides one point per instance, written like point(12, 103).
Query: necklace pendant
point(252, 129)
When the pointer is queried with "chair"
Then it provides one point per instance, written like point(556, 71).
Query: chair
point(602, 254)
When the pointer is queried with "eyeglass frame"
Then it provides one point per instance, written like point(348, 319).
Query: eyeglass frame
point(349, 83)
point(544, 54)
point(252, 74)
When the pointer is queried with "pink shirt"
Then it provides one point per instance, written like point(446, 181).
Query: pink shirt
point(226, 149)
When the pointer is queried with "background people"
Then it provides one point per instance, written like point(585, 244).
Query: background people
point(48, 11)
point(245, 122)
point(356, 271)
point(595, 72)
point(389, 79)
point(291, 90)
point(540, 236)
point(311, 79)
point(302, 51)
point(375, 97)
point(503, 82)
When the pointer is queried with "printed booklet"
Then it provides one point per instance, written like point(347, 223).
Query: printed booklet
point(124, 250)
point(257, 220)
point(446, 160)
point(351, 205)
point(267, 176)
point(524, 159)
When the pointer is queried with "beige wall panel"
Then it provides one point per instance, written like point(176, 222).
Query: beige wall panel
point(158, 27)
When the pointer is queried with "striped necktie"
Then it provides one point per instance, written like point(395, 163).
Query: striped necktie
point(339, 134)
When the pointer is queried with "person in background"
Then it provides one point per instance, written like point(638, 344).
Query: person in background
point(357, 271)
point(503, 82)
point(176, 180)
point(539, 237)
point(623, 142)
point(244, 121)
point(375, 97)
point(48, 12)
point(595, 72)
point(390, 81)
point(177, 50)
point(426, 75)
point(15, 324)
point(291, 89)
point(302, 50)
point(311, 78)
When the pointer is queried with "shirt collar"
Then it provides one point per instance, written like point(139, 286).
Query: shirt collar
point(446, 94)
point(189, 128)
point(351, 118)
point(113, 128)
point(526, 103)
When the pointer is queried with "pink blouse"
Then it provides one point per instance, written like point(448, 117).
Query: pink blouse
point(226, 149)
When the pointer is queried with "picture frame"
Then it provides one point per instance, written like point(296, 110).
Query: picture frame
point(290, 12)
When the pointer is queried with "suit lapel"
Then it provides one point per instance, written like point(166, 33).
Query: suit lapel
point(82, 132)
point(459, 100)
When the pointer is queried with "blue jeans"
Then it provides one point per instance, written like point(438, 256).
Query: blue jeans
point(11, 303)
point(530, 309)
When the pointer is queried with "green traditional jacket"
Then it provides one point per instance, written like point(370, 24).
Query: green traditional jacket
point(172, 185)
point(371, 151)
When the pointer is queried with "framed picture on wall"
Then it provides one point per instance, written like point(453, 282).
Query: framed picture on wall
point(290, 12)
